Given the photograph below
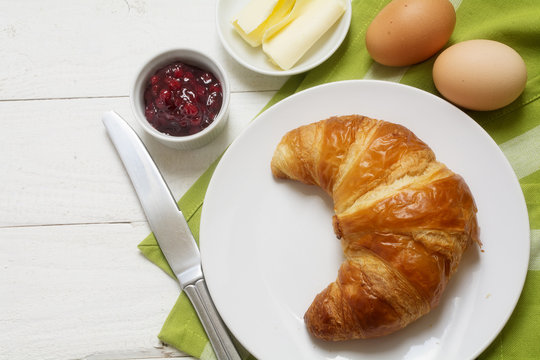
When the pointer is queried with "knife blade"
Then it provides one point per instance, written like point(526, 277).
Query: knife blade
point(170, 229)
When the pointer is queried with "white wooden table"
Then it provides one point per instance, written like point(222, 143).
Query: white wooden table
point(73, 284)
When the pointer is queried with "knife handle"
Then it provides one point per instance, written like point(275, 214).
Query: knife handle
point(213, 325)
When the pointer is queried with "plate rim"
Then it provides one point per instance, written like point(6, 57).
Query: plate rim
point(523, 272)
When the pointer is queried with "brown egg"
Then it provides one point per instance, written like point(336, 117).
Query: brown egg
point(480, 74)
point(406, 32)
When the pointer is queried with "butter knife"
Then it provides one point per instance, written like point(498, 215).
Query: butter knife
point(170, 229)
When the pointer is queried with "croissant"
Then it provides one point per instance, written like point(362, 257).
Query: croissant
point(404, 220)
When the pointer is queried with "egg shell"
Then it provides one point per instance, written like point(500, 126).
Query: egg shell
point(480, 74)
point(407, 32)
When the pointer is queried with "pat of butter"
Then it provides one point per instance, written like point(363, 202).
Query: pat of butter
point(259, 15)
point(286, 42)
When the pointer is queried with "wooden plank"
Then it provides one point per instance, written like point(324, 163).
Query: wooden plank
point(81, 291)
point(159, 352)
point(94, 48)
point(59, 167)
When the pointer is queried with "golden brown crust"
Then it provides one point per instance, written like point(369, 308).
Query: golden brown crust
point(404, 220)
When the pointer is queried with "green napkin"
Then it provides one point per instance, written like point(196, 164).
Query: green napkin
point(516, 128)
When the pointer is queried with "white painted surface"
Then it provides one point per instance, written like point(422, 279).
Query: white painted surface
point(73, 284)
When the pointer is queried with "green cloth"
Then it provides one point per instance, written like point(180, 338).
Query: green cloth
point(515, 128)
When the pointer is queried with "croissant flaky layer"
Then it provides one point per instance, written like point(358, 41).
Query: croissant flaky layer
point(404, 220)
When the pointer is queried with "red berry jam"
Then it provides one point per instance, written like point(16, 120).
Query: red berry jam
point(182, 99)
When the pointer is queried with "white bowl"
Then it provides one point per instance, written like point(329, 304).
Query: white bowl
point(254, 58)
point(194, 58)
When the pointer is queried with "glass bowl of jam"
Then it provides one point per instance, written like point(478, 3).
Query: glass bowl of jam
point(181, 98)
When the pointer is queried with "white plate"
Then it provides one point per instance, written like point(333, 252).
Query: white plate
point(254, 58)
point(268, 246)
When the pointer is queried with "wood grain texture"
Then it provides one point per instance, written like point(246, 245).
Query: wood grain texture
point(71, 291)
point(73, 284)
